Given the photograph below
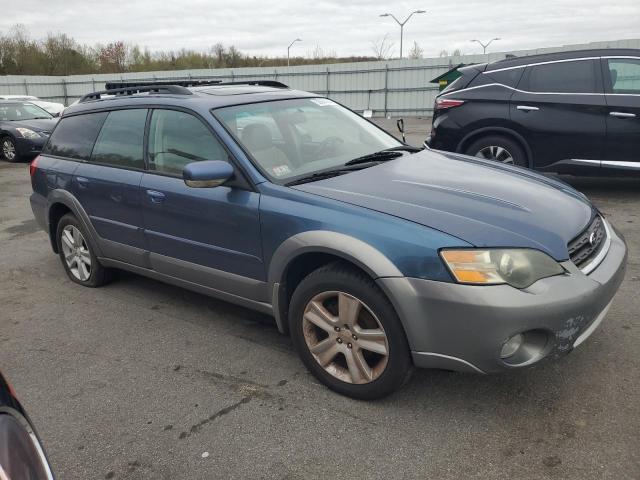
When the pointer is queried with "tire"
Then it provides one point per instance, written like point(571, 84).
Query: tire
point(494, 146)
point(8, 150)
point(322, 296)
point(77, 246)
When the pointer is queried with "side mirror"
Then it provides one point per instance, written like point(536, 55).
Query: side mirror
point(400, 124)
point(207, 174)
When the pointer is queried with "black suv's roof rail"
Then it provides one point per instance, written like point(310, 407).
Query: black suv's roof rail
point(133, 89)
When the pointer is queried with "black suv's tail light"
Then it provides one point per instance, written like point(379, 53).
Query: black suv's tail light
point(33, 166)
point(446, 103)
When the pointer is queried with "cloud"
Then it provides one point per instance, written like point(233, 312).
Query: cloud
point(346, 27)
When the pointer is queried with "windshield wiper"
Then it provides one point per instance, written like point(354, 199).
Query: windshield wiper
point(319, 176)
point(381, 156)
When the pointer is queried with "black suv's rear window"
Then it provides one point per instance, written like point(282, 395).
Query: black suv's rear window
point(74, 136)
point(578, 76)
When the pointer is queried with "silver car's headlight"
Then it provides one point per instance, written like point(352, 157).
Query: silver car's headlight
point(27, 133)
point(519, 268)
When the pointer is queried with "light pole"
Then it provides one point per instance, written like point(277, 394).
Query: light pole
point(402, 23)
point(289, 48)
point(485, 45)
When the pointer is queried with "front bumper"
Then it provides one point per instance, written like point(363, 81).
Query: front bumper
point(30, 147)
point(463, 327)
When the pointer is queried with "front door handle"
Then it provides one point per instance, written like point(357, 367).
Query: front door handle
point(155, 196)
point(623, 115)
point(527, 108)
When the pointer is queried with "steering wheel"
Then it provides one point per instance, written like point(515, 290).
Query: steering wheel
point(327, 146)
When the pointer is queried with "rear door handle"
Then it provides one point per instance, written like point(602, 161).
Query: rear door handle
point(622, 115)
point(155, 196)
point(82, 182)
point(527, 108)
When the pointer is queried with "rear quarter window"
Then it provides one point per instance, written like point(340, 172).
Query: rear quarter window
point(74, 136)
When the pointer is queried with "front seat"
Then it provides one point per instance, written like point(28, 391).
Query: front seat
point(257, 138)
point(614, 77)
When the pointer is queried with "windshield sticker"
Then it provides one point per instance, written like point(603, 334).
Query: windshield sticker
point(323, 102)
point(281, 170)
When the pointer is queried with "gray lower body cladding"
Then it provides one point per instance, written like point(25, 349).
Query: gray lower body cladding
point(463, 327)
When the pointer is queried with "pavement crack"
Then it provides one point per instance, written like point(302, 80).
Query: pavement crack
point(220, 413)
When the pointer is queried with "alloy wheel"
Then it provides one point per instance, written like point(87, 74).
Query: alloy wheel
point(76, 253)
point(496, 153)
point(8, 149)
point(345, 337)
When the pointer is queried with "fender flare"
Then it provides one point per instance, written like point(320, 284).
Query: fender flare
point(351, 249)
point(68, 200)
point(498, 130)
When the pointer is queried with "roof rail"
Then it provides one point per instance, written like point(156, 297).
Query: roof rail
point(152, 83)
point(192, 83)
point(132, 90)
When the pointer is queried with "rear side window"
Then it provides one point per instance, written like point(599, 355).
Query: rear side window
point(178, 138)
point(121, 139)
point(563, 77)
point(74, 136)
point(625, 75)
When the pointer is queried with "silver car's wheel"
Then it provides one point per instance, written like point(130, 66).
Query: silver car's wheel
point(9, 149)
point(496, 153)
point(345, 337)
point(76, 253)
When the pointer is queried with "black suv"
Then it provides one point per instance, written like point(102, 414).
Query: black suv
point(571, 112)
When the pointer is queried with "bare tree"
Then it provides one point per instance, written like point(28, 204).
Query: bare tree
point(382, 47)
point(416, 51)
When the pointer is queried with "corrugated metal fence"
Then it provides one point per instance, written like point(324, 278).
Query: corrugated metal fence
point(389, 88)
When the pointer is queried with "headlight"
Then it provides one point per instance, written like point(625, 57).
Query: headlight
point(517, 267)
point(26, 133)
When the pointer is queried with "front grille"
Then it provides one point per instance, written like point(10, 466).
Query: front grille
point(586, 246)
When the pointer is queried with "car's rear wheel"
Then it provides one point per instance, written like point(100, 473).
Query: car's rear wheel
point(348, 334)
point(8, 149)
point(499, 149)
point(77, 256)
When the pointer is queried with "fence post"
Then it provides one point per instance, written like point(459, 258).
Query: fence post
point(386, 87)
point(26, 87)
point(328, 91)
point(64, 92)
point(93, 85)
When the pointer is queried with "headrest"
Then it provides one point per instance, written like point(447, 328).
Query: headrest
point(257, 136)
point(614, 77)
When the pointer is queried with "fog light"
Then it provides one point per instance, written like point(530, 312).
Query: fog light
point(511, 346)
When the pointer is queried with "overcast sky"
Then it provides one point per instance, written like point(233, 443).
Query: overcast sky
point(347, 27)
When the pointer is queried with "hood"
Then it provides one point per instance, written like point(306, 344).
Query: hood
point(483, 203)
point(39, 125)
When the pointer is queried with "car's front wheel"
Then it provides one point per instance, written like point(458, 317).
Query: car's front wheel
point(78, 259)
point(348, 334)
point(8, 149)
point(499, 149)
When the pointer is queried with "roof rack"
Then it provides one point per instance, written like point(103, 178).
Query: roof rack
point(192, 83)
point(175, 87)
point(131, 90)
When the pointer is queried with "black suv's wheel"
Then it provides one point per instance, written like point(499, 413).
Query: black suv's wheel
point(77, 257)
point(348, 334)
point(8, 149)
point(500, 149)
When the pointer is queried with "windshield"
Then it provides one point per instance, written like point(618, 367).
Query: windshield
point(21, 111)
point(289, 139)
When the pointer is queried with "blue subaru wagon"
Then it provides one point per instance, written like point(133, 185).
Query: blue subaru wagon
point(374, 256)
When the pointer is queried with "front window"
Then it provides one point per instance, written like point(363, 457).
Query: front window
point(625, 75)
point(289, 139)
point(22, 111)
